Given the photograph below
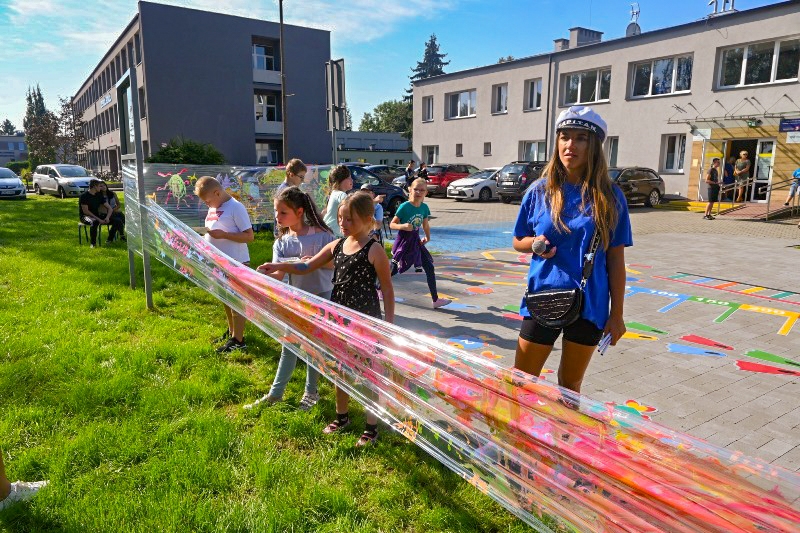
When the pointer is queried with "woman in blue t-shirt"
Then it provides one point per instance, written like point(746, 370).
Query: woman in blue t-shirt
point(562, 209)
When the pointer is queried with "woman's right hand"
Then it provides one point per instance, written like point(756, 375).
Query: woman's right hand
point(550, 252)
point(267, 268)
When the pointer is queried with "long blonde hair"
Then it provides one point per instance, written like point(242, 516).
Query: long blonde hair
point(596, 189)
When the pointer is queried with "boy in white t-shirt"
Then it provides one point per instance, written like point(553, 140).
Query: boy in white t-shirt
point(229, 230)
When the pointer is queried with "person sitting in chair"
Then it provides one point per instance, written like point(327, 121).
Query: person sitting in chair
point(89, 205)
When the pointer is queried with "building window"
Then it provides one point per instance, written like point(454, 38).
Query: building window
point(137, 48)
point(267, 153)
point(462, 104)
point(487, 148)
point(533, 151)
point(612, 147)
point(758, 63)
point(427, 108)
point(533, 94)
point(266, 107)
point(662, 76)
point(263, 57)
point(398, 162)
point(383, 162)
point(586, 87)
point(142, 105)
point(430, 154)
point(500, 98)
point(674, 151)
point(459, 150)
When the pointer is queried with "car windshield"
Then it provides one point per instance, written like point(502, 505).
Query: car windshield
point(73, 171)
point(435, 170)
point(6, 173)
point(481, 175)
point(513, 169)
point(614, 173)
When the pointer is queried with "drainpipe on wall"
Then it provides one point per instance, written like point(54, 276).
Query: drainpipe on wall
point(547, 113)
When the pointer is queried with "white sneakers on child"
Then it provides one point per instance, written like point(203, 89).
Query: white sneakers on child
point(441, 302)
point(308, 401)
point(22, 491)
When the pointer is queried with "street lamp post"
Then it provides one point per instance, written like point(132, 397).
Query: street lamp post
point(283, 89)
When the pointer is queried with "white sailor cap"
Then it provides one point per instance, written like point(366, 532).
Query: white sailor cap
point(583, 118)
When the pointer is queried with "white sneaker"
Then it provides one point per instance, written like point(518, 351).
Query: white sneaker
point(441, 302)
point(264, 399)
point(308, 401)
point(22, 491)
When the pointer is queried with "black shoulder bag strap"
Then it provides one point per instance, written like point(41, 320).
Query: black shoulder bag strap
point(588, 259)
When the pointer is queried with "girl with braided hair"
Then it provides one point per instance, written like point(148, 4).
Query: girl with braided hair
point(302, 235)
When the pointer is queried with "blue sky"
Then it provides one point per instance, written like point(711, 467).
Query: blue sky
point(56, 43)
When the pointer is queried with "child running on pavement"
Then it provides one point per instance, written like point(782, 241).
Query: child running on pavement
point(229, 230)
point(357, 261)
point(340, 182)
point(302, 235)
point(408, 249)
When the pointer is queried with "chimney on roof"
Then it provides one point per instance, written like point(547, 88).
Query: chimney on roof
point(582, 36)
point(561, 44)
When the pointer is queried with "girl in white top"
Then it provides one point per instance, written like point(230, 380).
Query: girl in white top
point(340, 182)
point(303, 235)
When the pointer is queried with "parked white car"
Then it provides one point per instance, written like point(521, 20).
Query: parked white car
point(481, 185)
point(62, 180)
point(10, 185)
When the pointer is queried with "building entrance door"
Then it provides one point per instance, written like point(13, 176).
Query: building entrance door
point(736, 147)
point(762, 169)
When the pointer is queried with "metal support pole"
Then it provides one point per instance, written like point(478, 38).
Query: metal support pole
point(283, 89)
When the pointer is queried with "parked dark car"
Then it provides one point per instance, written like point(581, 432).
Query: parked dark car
point(515, 178)
point(441, 175)
point(387, 172)
point(640, 185)
point(394, 195)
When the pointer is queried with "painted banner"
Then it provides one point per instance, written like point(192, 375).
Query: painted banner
point(533, 447)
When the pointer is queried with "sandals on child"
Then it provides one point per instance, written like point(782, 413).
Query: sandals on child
point(367, 438)
point(335, 426)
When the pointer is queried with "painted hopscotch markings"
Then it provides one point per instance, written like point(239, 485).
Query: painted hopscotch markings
point(790, 317)
point(779, 295)
point(638, 336)
point(706, 342)
point(521, 258)
point(764, 369)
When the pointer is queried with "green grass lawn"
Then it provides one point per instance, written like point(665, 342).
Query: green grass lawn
point(138, 423)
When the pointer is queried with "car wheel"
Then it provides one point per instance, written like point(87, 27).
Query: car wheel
point(62, 193)
point(505, 199)
point(654, 198)
point(37, 190)
point(485, 195)
point(394, 204)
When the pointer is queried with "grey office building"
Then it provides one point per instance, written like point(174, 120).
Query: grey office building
point(211, 78)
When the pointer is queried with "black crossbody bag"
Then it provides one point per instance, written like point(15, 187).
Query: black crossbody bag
point(557, 308)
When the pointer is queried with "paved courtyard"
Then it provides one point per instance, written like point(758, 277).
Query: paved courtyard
point(712, 312)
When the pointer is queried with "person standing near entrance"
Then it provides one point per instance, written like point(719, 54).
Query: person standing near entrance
point(712, 180)
point(741, 172)
point(728, 179)
point(794, 186)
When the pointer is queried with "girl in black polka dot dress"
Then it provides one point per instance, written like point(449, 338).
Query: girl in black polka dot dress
point(358, 261)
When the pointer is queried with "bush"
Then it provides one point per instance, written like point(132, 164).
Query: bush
point(187, 152)
point(18, 166)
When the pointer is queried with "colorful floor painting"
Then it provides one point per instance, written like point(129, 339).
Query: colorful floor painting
point(644, 327)
point(706, 342)
point(790, 317)
point(736, 287)
point(638, 336)
point(685, 349)
point(772, 358)
point(765, 369)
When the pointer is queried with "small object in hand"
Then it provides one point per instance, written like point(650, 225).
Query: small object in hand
point(539, 247)
point(602, 346)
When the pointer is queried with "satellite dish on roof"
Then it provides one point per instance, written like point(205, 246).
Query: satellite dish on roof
point(632, 29)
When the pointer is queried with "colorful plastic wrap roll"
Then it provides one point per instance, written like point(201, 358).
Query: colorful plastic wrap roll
point(533, 447)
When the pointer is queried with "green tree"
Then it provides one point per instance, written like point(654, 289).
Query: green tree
point(185, 151)
point(41, 129)
point(7, 128)
point(505, 59)
point(71, 137)
point(389, 116)
point(348, 119)
point(432, 64)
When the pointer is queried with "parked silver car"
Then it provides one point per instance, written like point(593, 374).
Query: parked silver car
point(62, 180)
point(10, 185)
